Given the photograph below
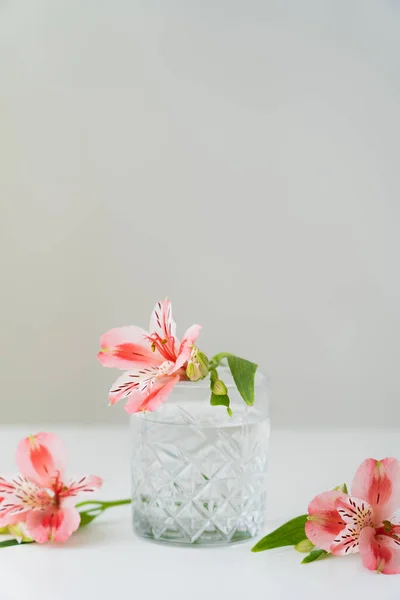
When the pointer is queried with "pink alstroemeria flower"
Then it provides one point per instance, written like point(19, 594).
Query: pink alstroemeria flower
point(38, 496)
point(363, 521)
point(156, 359)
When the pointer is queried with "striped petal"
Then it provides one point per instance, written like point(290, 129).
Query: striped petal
point(86, 484)
point(356, 514)
point(19, 497)
point(133, 382)
point(161, 321)
point(155, 398)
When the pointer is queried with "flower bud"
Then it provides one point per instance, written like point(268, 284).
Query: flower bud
point(304, 546)
point(341, 488)
point(20, 532)
point(191, 372)
point(219, 388)
point(197, 367)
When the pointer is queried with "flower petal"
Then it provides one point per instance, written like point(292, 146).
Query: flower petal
point(127, 348)
point(153, 400)
point(41, 458)
point(12, 519)
point(186, 346)
point(56, 524)
point(378, 482)
point(379, 552)
point(357, 514)
point(324, 522)
point(161, 321)
point(18, 497)
point(88, 483)
point(140, 382)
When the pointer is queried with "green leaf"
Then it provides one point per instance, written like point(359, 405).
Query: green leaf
point(221, 401)
point(243, 373)
point(14, 542)
point(304, 546)
point(88, 516)
point(314, 555)
point(8, 543)
point(289, 534)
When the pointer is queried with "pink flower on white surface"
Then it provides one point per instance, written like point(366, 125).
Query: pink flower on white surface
point(37, 497)
point(156, 360)
point(363, 521)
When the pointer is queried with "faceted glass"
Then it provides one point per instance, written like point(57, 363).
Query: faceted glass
point(199, 475)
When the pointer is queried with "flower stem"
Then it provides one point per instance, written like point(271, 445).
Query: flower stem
point(216, 360)
point(104, 505)
point(117, 503)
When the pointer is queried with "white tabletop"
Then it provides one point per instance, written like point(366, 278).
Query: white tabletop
point(106, 560)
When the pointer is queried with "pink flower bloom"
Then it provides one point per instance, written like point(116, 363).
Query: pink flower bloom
point(156, 359)
point(38, 496)
point(363, 521)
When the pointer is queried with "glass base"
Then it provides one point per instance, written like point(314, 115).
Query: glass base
point(193, 524)
point(207, 539)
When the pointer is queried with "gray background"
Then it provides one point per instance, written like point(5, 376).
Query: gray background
point(240, 157)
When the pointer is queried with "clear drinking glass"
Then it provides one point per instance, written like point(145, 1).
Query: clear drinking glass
point(199, 475)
